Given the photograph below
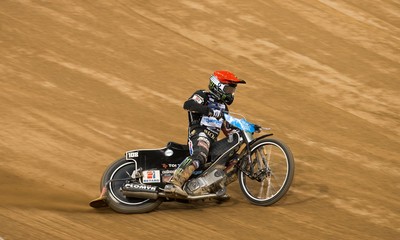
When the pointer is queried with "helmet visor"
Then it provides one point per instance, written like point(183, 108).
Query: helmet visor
point(229, 88)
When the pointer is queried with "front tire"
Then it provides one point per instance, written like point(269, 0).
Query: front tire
point(271, 172)
point(120, 169)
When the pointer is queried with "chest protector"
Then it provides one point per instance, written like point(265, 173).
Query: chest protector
point(211, 123)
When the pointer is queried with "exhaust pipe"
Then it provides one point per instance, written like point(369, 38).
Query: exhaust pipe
point(143, 191)
point(138, 190)
point(145, 195)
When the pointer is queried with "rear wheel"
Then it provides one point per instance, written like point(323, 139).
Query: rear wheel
point(268, 176)
point(119, 172)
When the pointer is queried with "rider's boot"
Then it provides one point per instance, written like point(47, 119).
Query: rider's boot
point(181, 175)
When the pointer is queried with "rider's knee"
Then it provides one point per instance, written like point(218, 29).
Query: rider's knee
point(199, 159)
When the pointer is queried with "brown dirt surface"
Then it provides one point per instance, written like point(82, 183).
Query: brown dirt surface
point(84, 81)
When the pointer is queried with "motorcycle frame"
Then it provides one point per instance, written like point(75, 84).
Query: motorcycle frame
point(243, 139)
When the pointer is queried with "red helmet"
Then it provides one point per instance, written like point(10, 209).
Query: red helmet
point(223, 85)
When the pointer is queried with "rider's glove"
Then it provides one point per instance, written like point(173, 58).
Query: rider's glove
point(217, 113)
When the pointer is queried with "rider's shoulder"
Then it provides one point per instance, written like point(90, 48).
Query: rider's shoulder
point(202, 93)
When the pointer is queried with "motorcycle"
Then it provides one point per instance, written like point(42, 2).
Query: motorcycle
point(139, 182)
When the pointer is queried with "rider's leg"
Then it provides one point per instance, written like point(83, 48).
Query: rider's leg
point(182, 174)
point(199, 146)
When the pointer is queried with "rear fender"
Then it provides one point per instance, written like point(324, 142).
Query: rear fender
point(162, 158)
point(157, 165)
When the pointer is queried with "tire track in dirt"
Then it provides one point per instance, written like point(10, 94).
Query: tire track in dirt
point(346, 92)
point(83, 82)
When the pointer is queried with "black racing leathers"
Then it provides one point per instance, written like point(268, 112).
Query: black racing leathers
point(203, 127)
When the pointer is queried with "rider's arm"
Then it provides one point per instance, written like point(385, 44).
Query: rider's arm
point(226, 127)
point(196, 103)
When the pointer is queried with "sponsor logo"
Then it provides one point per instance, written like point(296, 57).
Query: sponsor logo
point(211, 122)
point(167, 175)
point(167, 172)
point(152, 176)
point(197, 98)
point(169, 165)
point(190, 147)
point(203, 145)
point(204, 139)
point(197, 172)
point(214, 105)
point(210, 134)
point(142, 187)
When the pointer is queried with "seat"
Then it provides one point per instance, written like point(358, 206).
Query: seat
point(177, 146)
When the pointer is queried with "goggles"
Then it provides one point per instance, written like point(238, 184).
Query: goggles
point(229, 88)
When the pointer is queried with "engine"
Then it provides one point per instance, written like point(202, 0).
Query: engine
point(206, 183)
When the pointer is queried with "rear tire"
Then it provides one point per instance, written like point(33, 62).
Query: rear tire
point(121, 169)
point(273, 162)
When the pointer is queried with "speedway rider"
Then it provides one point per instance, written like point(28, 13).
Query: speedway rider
point(205, 111)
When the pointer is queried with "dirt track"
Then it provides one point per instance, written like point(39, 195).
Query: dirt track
point(84, 81)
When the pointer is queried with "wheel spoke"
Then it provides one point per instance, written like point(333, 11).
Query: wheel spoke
point(263, 158)
point(269, 173)
point(269, 149)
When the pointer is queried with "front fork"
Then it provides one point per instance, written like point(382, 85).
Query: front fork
point(260, 162)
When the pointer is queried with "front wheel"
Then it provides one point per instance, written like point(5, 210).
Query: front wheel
point(119, 172)
point(268, 174)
